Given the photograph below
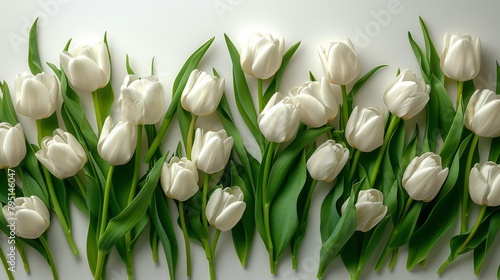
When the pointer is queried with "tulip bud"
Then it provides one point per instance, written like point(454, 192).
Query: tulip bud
point(142, 99)
point(424, 177)
point(365, 129)
point(117, 142)
point(461, 57)
point(482, 113)
point(262, 56)
point(62, 154)
point(30, 215)
point(370, 209)
point(202, 93)
point(279, 120)
point(225, 208)
point(327, 161)
point(340, 62)
point(37, 96)
point(12, 145)
point(211, 150)
point(317, 102)
point(484, 184)
point(407, 95)
point(179, 178)
point(87, 67)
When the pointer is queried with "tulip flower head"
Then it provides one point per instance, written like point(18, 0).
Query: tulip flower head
point(31, 216)
point(262, 56)
point(407, 95)
point(142, 99)
point(202, 93)
point(482, 115)
point(12, 145)
point(484, 184)
point(424, 177)
point(370, 209)
point(340, 61)
point(179, 178)
point(37, 96)
point(365, 129)
point(88, 67)
point(225, 208)
point(211, 150)
point(117, 142)
point(327, 161)
point(62, 154)
point(279, 120)
point(461, 57)
point(317, 102)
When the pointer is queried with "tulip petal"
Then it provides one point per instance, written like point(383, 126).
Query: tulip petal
point(29, 224)
point(230, 216)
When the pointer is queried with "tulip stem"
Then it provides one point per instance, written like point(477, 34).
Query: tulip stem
point(210, 257)
point(190, 136)
point(58, 210)
point(355, 160)
point(392, 127)
point(345, 107)
point(204, 201)
point(465, 194)
point(182, 219)
point(104, 217)
point(215, 241)
point(267, 204)
point(460, 89)
point(159, 137)
point(6, 265)
point(98, 113)
point(49, 257)
point(260, 95)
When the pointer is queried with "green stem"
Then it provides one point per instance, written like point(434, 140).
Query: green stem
point(215, 241)
point(460, 89)
point(260, 95)
point(392, 127)
point(49, 257)
point(206, 179)
point(81, 185)
point(394, 258)
point(104, 217)
point(98, 113)
point(157, 141)
point(24, 259)
point(345, 107)
point(408, 204)
point(355, 160)
point(190, 136)
point(267, 204)
point(154, 248)
point(100, 265)
point(57, 209)
point(39, 131)
point(465, 195)
point(474, 228)
point(137, 165)
point(210, 257)
point(6, 265)
point(186, 238)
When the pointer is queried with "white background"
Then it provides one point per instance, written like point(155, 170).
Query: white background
point(171, 30)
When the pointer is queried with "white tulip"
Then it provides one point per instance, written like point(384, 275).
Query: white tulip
point(365, 129)
point(327, 161)
point(30, 215)
point(12, 145)
point(37, 96)
point(262, 55)
point(179, 178)
point(279, 120)
point(461, 57)
point(370, 209)
point(225, 208)
point(484, 184)
point(202, 93)
point(340, 62)
point(211, 150)
point(117, 142)
point(482, 115)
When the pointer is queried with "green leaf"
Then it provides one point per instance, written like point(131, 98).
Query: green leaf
point(329, 215)
point(8, 113)
point(285, 160)
point(446, 111)
point(128, 218)
point(402, 232)
point(421, 59)
point(362, 81)
point(33, 169)
point(452, 142)
point(431, 53)
point(184, 118)
point(497, 88)
point(33, 55)
point(480, 251)
point(106, 94)
point(243, 97)
point(127, 65)
point(284, 219)
point(31, 187)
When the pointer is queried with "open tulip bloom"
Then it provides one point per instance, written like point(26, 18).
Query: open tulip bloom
point(262, 55)
point(38, 96)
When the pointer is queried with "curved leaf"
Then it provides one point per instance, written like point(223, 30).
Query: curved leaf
point(33, 55)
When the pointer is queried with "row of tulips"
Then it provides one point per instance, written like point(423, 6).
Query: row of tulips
point(312, 134)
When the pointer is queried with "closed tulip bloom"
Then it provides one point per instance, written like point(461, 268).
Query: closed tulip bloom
point(407, 95)
point(317, 102)
point(179, 178)
point(340, 62)
point(117, 142)
point(370, 209)
point(211, 150)
point(461, 57)
point(225, 208)
point(327, 161)
point(87, 67)
point(484, 184)
point(365, 128)
point(280, 119)
point(142, 99)
point(12, 145)
point(424, 177)
point(262, 56)
point(202, 93)
point(482, 115)
point(37, 96)
point(31, 216)
point(62, 154)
